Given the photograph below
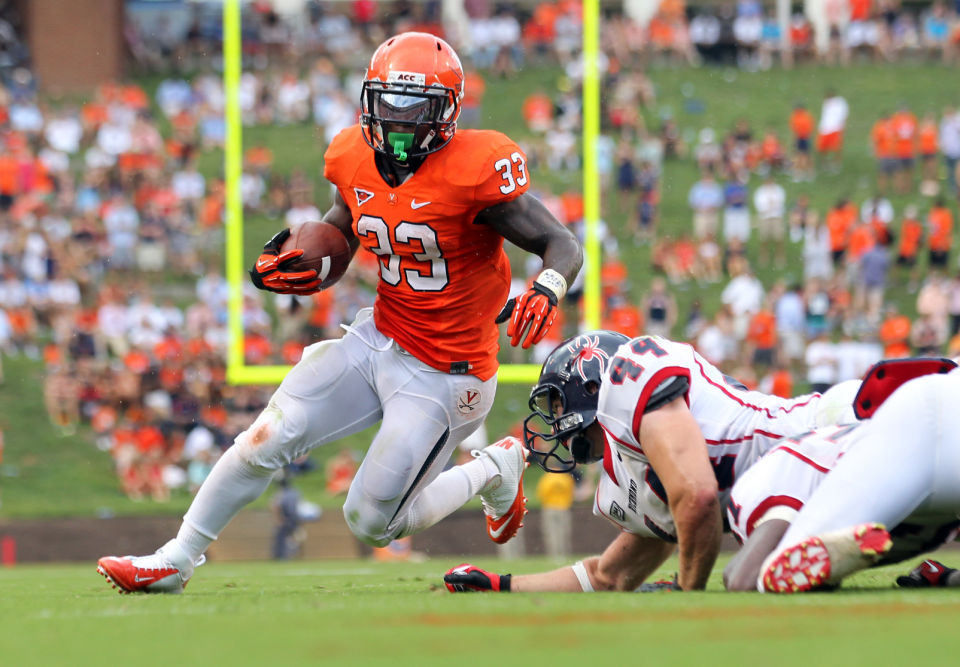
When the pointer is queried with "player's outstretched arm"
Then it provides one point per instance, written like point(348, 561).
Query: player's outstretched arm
point(527, 223)
point(623, 566)
point(677, 452)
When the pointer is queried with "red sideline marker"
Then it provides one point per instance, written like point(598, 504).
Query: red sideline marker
point(8, 551)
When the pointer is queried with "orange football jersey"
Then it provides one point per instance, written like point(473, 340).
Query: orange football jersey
point(443, 279)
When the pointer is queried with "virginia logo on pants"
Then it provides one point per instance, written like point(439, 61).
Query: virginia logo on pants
point(468, 401)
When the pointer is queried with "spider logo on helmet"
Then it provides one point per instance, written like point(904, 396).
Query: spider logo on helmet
point(563, 403)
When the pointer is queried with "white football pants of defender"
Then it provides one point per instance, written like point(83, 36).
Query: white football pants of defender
point(906, 461)
point(340, 387)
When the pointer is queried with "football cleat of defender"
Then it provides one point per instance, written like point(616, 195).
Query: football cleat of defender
point(502, 498)
point(825, 560)
point(166, 571)
point(467, 578)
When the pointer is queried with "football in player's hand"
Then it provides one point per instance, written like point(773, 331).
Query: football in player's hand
point(325, 250)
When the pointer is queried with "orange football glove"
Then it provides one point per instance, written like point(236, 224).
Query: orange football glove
point(534, 312)
point(269, 272)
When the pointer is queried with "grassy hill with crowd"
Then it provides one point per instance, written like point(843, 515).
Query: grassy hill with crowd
point(45, 473)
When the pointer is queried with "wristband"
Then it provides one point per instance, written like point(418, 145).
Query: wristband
point(552, 281)
point(582, 576)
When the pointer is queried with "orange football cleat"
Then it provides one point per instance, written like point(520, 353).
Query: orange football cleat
point(166, 571)
point(502, 498)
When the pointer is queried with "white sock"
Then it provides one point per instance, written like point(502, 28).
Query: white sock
point(443, 496)
point(232, 484)
point(484, 470)
point(193, 542)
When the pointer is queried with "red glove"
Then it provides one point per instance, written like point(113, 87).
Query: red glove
point(269, 272)
point(534, 311)
point(467, 578)
point(928, 573)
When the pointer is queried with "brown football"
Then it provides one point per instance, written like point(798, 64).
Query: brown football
point(325, 249)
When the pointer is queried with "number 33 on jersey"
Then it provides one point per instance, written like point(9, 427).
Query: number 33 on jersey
point(435, 263)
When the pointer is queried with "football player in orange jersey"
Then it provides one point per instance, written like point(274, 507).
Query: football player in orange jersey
point(435, 205)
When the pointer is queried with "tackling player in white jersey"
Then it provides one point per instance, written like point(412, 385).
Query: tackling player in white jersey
point(818, 506)
point(673, 433)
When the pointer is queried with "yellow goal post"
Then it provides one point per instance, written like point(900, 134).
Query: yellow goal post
point(238, 372)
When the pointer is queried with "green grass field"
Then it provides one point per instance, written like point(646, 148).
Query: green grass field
point(364, 613)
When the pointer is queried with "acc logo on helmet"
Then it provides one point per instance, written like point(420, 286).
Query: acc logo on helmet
point(416, 78)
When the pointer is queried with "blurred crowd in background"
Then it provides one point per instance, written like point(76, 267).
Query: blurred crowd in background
point(111, 225)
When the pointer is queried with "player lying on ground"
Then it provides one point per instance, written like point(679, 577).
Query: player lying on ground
point(435, 205)
point(823, 505)
point(599, 396)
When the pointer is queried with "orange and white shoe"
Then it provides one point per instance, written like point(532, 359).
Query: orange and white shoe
point(166, 571)
point(826, 559)
point(502, 497)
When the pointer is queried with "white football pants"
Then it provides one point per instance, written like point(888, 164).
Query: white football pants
point(340, 387)
point(906, 461)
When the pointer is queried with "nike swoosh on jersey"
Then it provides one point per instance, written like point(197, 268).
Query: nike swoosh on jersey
point(498, 531)
point(414, 204)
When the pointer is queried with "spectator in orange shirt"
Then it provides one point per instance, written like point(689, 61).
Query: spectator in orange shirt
point(538, 111)
point(927, 139)
point(778, 382)
point(904, 127)
point(911, 236)
point(257, 348)
point(895, 334)
point(861, 240)
point(9, 180)
point(771, 152)
point(762, 336)
point(622, 316)
point(881, 136)
point(840, 221)
point(613, 277)
point(940, 224)
point(291, 351)
point(802, 124)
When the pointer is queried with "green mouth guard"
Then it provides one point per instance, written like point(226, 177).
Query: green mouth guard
point(400, 141)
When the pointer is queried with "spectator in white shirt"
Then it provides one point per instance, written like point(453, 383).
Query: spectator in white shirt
point(791, 317)
point(821, 358)
point(950, 145)
point(706, 200)
point(833, 123)
point(114, 139)
point(770, 201)
point(817, 260)
point(64, 133)
point(744, 296)
point(302, 211)
point(112, 325)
